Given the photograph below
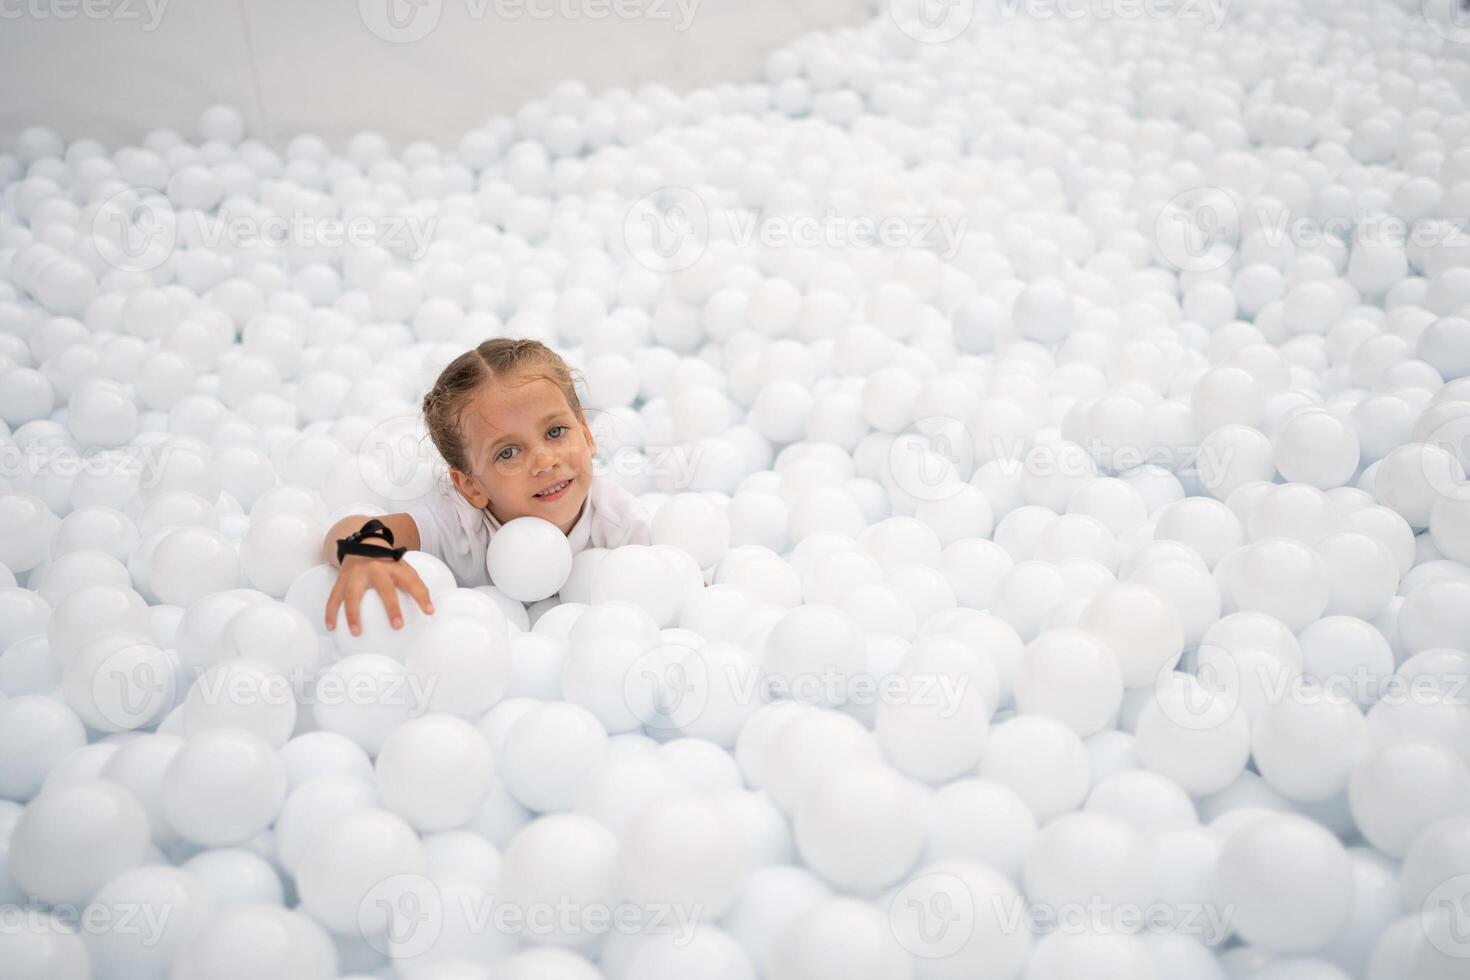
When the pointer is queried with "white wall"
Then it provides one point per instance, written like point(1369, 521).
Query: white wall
point(114, 69)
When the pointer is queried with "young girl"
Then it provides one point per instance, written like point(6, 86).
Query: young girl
point(506, 418)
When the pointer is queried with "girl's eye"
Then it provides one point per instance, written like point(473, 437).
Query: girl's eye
point(555, 432)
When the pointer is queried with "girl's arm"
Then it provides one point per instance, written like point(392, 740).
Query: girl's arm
point(405, 533)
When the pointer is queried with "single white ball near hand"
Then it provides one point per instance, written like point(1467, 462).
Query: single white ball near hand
point(529, 559)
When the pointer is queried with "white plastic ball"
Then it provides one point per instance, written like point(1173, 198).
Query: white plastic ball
point(192, 562)
point(695, 524)
point(150, 947)
point(1398, 789)
point(1192, 734)
point(933, 715)
point(236, 875)
point(676, 852)
point(364, 697)
point(550, 754)
point(1306, 745)
point(838, 937)
point(1072, 676)
point(242, 694)
point(257, 939)
point(360, 869)
point(529, 559)
point(1139, 627)
point(36, 733)
point(223, 787)
point(89, 612)
point(1042, 760)
point(74, 838)
point(1316, 448)
point(26, 527)
point(121, 682)
point(464, 664)
point(567, 857)
point(434, 771)
point(1289, 881)
point(956, 919)
point(861, 828)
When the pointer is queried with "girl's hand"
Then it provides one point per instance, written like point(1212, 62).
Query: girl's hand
point(360, 573)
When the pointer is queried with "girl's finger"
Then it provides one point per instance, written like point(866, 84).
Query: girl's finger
point(386, 588)
point(333, 601)
point(414, 586)
point(353, 597)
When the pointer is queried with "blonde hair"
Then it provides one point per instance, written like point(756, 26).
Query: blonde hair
point(495, 359)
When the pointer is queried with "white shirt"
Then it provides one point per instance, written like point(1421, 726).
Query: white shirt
point(457, 534)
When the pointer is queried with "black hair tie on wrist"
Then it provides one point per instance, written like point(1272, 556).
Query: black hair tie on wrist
point(352, 544)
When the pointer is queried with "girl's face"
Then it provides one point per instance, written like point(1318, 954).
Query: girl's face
point(524, 440)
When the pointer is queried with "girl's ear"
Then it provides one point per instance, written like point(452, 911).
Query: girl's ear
point(469, 488)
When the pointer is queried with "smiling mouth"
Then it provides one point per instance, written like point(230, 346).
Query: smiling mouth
point(553, 492)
